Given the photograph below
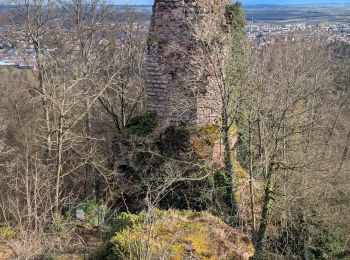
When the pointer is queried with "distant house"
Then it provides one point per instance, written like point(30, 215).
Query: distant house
point(22, 67)
point(6, 63)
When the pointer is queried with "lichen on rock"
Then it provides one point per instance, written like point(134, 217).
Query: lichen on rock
point(180, 235)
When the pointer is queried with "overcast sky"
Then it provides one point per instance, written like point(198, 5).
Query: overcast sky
point(149, 2)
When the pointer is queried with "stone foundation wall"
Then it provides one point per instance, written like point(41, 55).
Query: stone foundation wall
point(181, 87)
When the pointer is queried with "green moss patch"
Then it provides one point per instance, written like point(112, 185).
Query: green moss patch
point(178, 235)
point(7, 232)
point(142, 125)
point(204, 138)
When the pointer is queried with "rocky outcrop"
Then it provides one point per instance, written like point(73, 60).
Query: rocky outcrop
point(180, 235)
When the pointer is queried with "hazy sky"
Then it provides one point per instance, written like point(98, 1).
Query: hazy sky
point(149, 2)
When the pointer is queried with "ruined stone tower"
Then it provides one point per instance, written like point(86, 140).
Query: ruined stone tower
point(182, 85)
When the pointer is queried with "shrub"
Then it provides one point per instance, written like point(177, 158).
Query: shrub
point(175, 141)
point(94, 212)
point(88, 206)
point(142, 125)
point(235, 16)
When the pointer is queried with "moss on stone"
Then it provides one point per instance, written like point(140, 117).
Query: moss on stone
point(203, 139)
point(233, 131)
point(240, 173)
point(154, 40)
point(7, 232)
point(179, 235)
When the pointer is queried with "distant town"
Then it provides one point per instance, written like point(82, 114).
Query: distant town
point(262, 31)
point(267, 33)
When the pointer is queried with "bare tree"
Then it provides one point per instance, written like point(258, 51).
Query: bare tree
point(291, 101)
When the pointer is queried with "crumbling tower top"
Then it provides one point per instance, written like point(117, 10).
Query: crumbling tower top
point(180, 80)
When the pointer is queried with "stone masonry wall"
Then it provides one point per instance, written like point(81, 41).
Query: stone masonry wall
point(181, 83)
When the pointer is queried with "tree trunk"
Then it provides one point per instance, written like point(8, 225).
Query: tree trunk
point(251, 188)
point(59, 164)
point(230, 186)
point(261, 234)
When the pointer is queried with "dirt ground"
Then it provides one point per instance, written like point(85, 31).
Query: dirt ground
point(6, 251)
